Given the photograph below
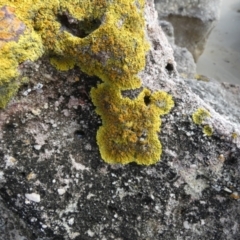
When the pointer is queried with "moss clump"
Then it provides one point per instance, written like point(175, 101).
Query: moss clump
point(104, 38)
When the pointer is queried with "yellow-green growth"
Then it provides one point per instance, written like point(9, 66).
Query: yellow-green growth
point(107, 39)
point(208, 130)
point(17, 44)
point(130, 127)
point(115, 51)
point(62, 64)
point(234, 135)
point(200, 116)
point(200, 77)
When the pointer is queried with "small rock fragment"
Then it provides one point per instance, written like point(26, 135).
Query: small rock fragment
point(34, 197)
point(227, 190)
point(36, 112)
point(37, 147)
point(61, 191)
point(71, 221)
point(90, 233)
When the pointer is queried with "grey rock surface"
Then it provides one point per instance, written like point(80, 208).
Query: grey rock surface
point(192, 21)
point(186, 66)
point(12, 227)
point(52, 175)
point(223, 97)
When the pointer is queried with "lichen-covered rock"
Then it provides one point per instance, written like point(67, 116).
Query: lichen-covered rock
point(192, 21)
point(11, 27)
point(52, 174)
point(74, 33)
point(223, 97)
point(105, 39)
point(17, 44)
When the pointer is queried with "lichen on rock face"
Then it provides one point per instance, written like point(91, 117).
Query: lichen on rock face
point(17, 44)
point(11, 27)
point(200, 116)
point(105, 39)
point(98, 36)
point(130, 127)
point(208, 130)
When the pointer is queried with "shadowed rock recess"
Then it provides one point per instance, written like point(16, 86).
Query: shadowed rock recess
point(55, 179)
point(193, 21)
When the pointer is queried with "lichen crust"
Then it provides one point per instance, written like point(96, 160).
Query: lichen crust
point(129, 131)
point(78, 30)
point(105, 38)
point(200, 115)
point(208, 130)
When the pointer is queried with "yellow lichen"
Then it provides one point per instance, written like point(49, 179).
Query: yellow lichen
point(62, 64)
point(208, 130)
point(234, 135)
point(105, 38)
point(201, 77)
point(11, 54)
point(130, 127)
point(200, 116)
point(163, 101)
point(11, 27)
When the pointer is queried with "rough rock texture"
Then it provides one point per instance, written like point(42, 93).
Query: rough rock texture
point(223, 97)
point(192, 20)
point(11, 226)
point(52, 175)
point(186, 66)
point(73, 33)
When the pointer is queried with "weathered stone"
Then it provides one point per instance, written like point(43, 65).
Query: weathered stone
point(186, 66)
point(193, 192)
point(192, 21)
point(10, 26)
point(223, 97)
point(12, 227)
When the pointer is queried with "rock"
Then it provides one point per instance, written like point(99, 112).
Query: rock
point(12, 227)
point(223, 97)
point(186, 66)
point(17, 44)
point(168, 29)
point(183, 195)
point(192, 21)
point(34, 197)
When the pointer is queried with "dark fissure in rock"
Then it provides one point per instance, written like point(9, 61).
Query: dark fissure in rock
point(78, 28)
